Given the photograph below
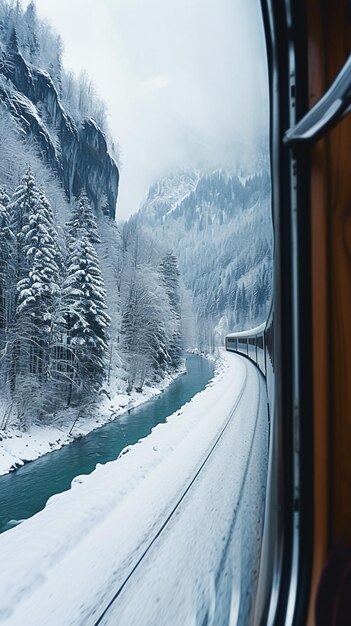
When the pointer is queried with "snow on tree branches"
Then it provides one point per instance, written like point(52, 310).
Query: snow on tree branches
point(53, 319)
point(83, 221)
point(85, 313)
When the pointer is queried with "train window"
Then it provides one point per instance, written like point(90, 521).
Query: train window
point(136, 243)
point(306, 337)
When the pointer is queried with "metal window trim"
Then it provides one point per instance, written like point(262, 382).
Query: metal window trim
point(328, 111)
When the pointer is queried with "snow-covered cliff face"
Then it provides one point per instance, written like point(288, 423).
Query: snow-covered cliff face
point(77, 154)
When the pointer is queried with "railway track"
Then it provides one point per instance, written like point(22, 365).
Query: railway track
point(141, 564)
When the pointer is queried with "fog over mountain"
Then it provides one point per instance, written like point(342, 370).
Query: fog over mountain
point(185, 81)
point(218, 226)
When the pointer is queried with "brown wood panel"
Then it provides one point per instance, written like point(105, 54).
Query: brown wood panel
point(340, 313)
point(328, 47)
point(320, 346)
point(338, 49)
point(321, 362)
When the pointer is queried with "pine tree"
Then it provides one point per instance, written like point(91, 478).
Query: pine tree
point(170, 275)
point(39, 289)
point(52, 230)
point(86, 319)
point(31, 40)
point(55, 67)
point(244, 306)
point(7, 249)
point(12, 47)
point(83, 222)
point(255, 301)
point(23, 203)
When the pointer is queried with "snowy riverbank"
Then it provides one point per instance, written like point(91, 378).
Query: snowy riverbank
point(62, 565)
point(18, 447)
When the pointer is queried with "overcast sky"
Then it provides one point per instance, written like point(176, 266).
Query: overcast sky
point(184, 80)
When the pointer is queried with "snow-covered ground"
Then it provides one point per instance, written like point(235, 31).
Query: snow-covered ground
point(65, 564)
point(18, 447)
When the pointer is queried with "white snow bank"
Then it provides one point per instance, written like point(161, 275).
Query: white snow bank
point(18, 447)
point(60, 566)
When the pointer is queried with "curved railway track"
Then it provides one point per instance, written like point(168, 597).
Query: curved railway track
point(122, 597)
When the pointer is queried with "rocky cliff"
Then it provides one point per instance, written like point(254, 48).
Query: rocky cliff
point(77, 154)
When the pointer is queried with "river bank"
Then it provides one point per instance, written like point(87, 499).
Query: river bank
point(18, 447)
point(27, 490)
point(62, 565)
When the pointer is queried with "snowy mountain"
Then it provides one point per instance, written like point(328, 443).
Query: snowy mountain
point(219, 228)
point(75, 150)
point(166, 194)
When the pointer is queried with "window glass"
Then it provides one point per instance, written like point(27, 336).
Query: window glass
point(135, 235)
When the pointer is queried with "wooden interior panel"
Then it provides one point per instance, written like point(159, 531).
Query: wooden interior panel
point(329, 42)
point(321, 360)
point(340, 313)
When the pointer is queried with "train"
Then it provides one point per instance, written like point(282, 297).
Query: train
point(250, 343)
point(304, 349)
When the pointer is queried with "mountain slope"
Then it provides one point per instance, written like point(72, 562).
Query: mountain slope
point(221, 233)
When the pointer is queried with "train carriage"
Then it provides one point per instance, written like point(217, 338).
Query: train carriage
point(250, 343)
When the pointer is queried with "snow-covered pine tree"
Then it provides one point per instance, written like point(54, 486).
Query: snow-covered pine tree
point(12, 47)
point(55, 66)
point(7, 249)
point(23, 203)
point(170, 275)
point(39, 289)
point(86, 319)
point(52, 229)
point(83, 222)
point(31, 43)
point(57, 354)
